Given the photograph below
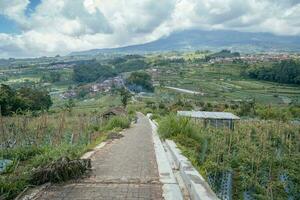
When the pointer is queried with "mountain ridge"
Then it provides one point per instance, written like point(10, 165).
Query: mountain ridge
point(209, 40)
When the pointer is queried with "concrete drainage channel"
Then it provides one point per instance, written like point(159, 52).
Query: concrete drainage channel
point(179, 178)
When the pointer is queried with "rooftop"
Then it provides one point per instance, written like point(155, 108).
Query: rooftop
point(115, 111)
point(208, 115)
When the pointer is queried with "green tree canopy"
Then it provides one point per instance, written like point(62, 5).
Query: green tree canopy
point(23, 99)
point(90, 71)
point(287, 71)
point(139, 81)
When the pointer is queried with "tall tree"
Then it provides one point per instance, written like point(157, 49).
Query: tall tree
point(125, 96)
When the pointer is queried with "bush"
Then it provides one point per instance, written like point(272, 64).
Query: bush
point(21, 153)
point(12, 186)
point(131, 111)
point(171, 126)
point(12, 183)
point(269, 112)
point(257, 152)
point(118, 122)
point(147, 110)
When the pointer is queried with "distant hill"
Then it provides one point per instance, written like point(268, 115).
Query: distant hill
point(210, 40)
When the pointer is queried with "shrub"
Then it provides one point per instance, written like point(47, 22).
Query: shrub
point(10, 187)
point(117, 122)
point(256, 152)
point(171, 126)
point(274, 113)
point(21, 153)
point(147, 110)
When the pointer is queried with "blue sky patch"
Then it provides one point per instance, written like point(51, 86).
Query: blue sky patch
point(31, 7)
point(7, 25)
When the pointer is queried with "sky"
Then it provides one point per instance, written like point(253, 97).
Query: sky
point(33, 28)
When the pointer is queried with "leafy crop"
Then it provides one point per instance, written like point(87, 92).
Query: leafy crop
point(258, 160)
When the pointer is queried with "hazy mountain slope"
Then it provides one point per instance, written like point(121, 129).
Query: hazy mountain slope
point(213, 40)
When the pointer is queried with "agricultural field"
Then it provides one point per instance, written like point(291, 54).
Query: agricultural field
point(34, 139)
point(223, 83)
point(258, 160)
point(158, 83)
point(29, 141)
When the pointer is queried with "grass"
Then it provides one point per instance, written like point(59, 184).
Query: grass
point(17, 177)
point(117, 122)
point(257, 153)
point(46, 138)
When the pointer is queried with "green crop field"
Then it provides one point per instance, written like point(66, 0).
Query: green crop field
point(224, 83)
point(35, 136)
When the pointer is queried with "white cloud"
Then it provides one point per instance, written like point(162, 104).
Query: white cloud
point(14, 9)
point(61, 26)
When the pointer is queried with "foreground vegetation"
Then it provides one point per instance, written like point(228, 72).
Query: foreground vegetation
point(32, 142)
point(259, 160)
point(51, 108)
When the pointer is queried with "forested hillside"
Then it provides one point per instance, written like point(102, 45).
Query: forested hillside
point(284, 72)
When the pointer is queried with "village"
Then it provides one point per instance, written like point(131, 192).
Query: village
point(255, 58)
point(95, 88)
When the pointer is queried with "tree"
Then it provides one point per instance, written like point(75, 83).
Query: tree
point(125, 96)
point(129, 63)
point(23, 99)
point(69, 105)
point(55, 77)
point(90, 71)
point(7, 99)
point(247, 108)
point(51, 77)
point(140, 81)
point(82, 92)
point(287, 71)
point(34, 99)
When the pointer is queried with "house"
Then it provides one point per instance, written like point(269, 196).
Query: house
point(118, 111)
point(215, 119)
point(68, 94)
point(107, 85)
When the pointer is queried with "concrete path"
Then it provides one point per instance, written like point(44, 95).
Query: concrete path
point(123, 169)
point(185, 90)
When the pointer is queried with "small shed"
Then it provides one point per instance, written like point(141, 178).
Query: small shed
point(118, 111)
point(215, 119)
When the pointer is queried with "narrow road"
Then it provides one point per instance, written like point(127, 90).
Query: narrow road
point(123, 169)
point(184, 90)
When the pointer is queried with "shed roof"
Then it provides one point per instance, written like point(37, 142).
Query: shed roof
point(208, 115)
point(115, 111)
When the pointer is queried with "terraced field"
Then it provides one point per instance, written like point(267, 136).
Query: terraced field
point(224, 83)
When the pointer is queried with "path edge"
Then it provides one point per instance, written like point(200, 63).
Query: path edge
point(195, 184)
point(171, 189)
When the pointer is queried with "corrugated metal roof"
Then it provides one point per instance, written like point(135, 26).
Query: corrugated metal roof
point(207, 115)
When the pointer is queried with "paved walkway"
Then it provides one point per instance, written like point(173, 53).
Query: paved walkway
point(123, 169)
